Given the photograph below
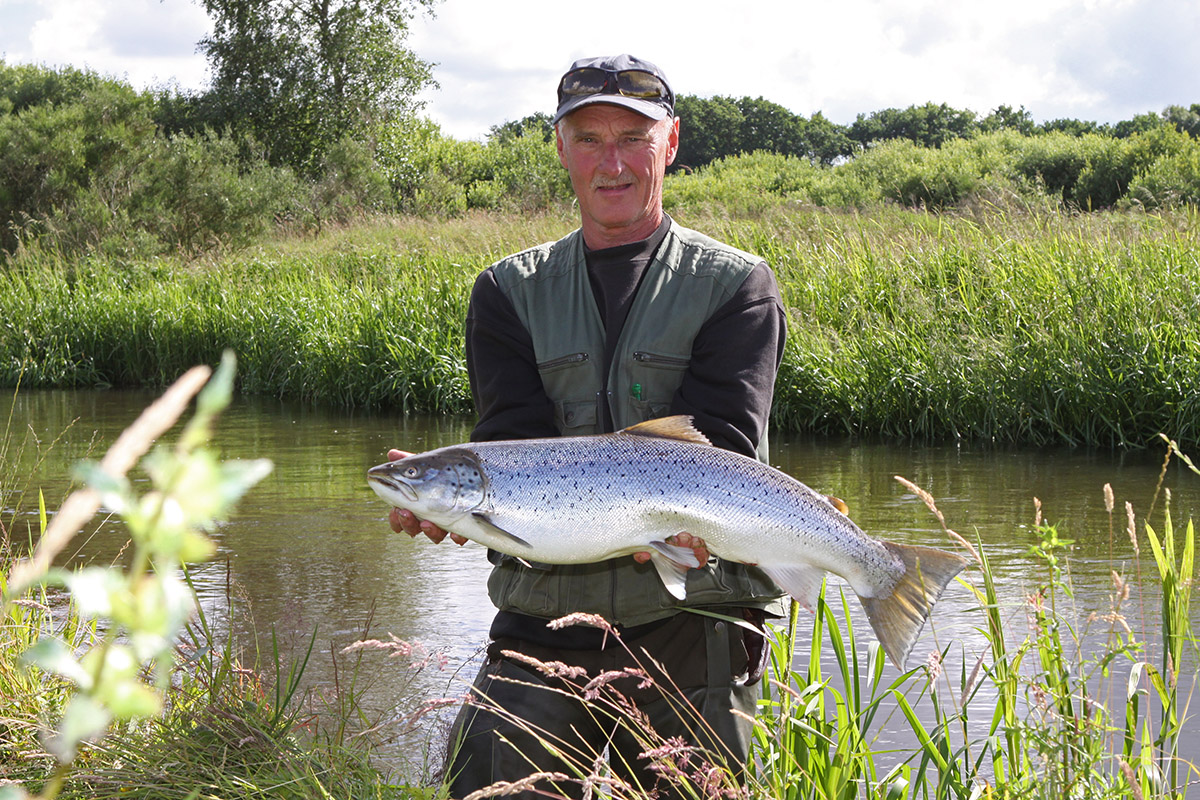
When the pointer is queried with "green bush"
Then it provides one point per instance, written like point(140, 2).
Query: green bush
point(52, 154)
point(1113, 164)
point(83, 167)
point(919, 176)
point(1170, 181)
point(433, 174)
point(194, 195)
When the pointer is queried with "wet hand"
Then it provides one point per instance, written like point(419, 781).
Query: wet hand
point(404, 521)
point(683, 539)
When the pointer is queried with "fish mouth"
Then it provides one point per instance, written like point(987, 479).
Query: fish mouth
point(381, 481)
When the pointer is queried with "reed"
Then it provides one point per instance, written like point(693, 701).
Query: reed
point(1064, 720)
point(1011, 322)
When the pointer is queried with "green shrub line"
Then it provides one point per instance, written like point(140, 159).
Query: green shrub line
point(1005, 321)
point(90, 165)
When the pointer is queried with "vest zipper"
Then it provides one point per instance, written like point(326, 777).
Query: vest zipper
point(574, 358)
point(651, 358)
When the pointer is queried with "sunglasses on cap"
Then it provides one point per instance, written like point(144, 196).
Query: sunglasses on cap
point(626, 82)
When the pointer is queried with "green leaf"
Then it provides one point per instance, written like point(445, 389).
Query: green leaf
point(216, 394)
point(114, 491)
point(93, 588)
point(85, 718)
point(12, 791)
point(239, 476)
point(129, 699)
point(52, 655)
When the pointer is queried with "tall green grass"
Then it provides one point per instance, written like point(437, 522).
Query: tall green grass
point(1011, 322)
point(1049, 702)
point(107, 689)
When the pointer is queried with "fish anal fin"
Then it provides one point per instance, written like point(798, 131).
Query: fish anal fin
point(484, 521)
point(897, 619)
point(679, 427)
point(801, 581)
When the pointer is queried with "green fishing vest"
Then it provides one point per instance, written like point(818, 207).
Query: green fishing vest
point(690, 277)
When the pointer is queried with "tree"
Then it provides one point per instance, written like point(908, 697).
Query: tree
point(1071, 127)
point(1006, 118)
point(300, 75)
point(1184, 119)
point(828, 142)
point(709, 128)
point(712, 128)
point(1141, 123)
point(930, 125)
point(536, 124)
point(771, 127)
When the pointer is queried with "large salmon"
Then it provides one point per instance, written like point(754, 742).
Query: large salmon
point(582, 499)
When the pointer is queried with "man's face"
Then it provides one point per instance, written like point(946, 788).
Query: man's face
point(616, 159)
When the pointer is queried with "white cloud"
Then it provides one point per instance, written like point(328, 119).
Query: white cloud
point(1103, 60)
point(146, 42)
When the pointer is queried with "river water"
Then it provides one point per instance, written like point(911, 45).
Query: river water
point(309, 548)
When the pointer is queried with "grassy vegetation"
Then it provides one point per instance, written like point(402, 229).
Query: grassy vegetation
point(1006, 321)
point(1052, 703)
point(112, 683)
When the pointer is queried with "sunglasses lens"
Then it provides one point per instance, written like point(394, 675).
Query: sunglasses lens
point(584, 81)
point(635, 83)
point(630, 82)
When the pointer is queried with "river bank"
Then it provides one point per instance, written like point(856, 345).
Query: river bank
point(1005, 324)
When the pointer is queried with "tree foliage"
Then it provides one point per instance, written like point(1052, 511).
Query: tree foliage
point(537, 124)
point(301, 75)
point(713, 128)
point(929, 125)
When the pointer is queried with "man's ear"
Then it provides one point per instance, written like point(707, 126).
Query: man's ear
point(673, 141)
point(558, 144)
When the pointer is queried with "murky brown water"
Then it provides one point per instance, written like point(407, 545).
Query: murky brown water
point(310, 547)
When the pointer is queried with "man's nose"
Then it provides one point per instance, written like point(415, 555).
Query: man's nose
point(610, 160)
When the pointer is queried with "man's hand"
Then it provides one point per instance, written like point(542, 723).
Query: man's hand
point(404, 521)
point(683, 539)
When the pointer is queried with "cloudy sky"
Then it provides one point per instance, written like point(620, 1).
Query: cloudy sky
point(498, 60)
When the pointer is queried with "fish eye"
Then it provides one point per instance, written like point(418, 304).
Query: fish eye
point(411, 472)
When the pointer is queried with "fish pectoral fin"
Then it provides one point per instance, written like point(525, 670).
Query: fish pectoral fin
point(683, 556)
point(485, 522)
point(801, 581)
point(672, 573)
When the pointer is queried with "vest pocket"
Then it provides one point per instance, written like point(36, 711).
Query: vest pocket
point(655, 377)
point(570, 415)
point(567, 379)
point(561, 362)
point(661, 360)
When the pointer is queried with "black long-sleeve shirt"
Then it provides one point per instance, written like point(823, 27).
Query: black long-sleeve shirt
point(727, 387)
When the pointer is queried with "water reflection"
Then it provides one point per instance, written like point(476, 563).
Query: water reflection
point(310, 547)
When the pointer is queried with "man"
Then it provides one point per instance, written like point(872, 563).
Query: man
point(628, 318)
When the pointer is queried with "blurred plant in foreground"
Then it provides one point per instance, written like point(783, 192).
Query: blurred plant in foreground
point(140, 611)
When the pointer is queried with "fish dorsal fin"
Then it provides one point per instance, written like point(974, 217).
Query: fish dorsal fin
point(839, 504)
point(677, 427)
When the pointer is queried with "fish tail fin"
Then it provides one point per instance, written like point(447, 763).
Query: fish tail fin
point(899, 617)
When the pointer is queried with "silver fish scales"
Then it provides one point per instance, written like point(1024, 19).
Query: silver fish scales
point(584, 499)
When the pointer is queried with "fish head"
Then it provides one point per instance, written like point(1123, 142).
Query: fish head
point(439, 486)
